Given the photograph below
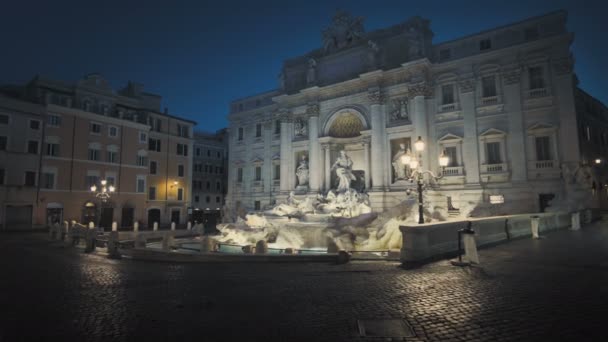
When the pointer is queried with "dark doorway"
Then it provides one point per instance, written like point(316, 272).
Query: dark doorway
point(89, 213)
point(543, 201)
point(54, 215)
point(128, 214)
point(153, 216)
point(107, 215)
point(175, 216)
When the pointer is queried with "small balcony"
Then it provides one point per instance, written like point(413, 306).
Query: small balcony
point(543, 169)
point(494, 172)
point(493, 168)
point(489, 101)
point(448, 107)
point(538, 92)
point(453, 171)
point(452, 175)
point(544, 164)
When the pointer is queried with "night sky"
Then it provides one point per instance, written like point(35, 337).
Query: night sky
point(201, 55)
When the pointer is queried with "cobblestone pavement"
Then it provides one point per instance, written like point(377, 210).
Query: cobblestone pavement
point(555, 288)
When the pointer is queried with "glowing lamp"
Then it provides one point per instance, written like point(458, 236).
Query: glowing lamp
point(598, 161)
point(111, 188)
point(413, 164)
point(93, 188)
point(419, 144)
point(103, 182)
point(443, 159)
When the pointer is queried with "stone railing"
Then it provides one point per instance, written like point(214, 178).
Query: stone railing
point(538, 92)
point(491, 168)
point(453, 171)
point(544, 164)
point(450, 107)
point(490, 100)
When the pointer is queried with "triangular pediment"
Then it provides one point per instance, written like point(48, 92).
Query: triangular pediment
point(277, 156)
point(492, 132)
point(450, 137)
point(539, 126)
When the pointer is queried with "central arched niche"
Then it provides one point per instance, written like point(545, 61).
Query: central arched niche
point(346, 123)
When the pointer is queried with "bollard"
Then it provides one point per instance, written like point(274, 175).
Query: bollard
point(135, 226)
point(172, 225)
point(576, 221)
point(155, 226)
point(189, 226)
point(66, 230)
point(261, 247)
point(114, 226)
point(534, 223)
point(113, 252)
point(208, 245)
point(91, 225)
point(167, 241)
point(249, 249)
point(69, 238)
point(140, 241)
point(90, 240)
point(467, 237)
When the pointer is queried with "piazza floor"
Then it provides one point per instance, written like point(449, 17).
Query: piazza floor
point(555, 288)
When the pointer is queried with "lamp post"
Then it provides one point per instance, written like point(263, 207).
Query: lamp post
point(103, 193)
point(417, 174)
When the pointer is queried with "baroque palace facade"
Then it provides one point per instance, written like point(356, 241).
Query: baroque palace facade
point(58, 139)
point(499, 103)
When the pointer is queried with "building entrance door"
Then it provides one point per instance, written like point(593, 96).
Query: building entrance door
point(107, 215)
point(175, 216)
point(153, 216)
point(128, 214)
point(89, 213)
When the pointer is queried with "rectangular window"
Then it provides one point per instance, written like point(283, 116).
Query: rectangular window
point(257, 205)
point(277, 127)
point(447, 93)
point(143, 137)
point(113, 131)
point(493, 153)
point(543, 148)
point(111, 180)
point(240, 135)
point(277, 172)
point(154, 145)
point(488, 86)
point(54, 120)
point(2, 172)
point(258, 173)
point(217, 199)
point(142, 161)
point(141, 184)
point(219, 155)
point(444, 54)
point(152, 193)
point(485, 44)
point(221, 170)
point(198, 151)
point(239, 175)
point(182, 150)
point(218, 186)
point(208, 153)
point(180, 194)
point(3, 119)
point(52, 150)
point(536, 77)
point(93, 154)
point(180, 170)
point(3, 143)
point(91, 180)
point(112, 157)
point(152, 167)
point(258, 130)
point(32, 147)
point(34, 124)
point(196, 199)
point(95, 128)
point(451, 153)
point(48, 180)
point(30, 178)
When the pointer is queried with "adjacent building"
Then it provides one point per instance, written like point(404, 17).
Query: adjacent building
point(87, 133)
point(500, 103)
point(209, 178)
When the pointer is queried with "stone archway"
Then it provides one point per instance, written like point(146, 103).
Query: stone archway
point(345, 123)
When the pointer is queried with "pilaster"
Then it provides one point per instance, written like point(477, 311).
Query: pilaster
point(516, 139)
point(470, 141)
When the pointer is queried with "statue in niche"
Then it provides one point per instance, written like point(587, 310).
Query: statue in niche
point(311, 74)
point(399, 110)
point(398, 166)
point(302, 172)
point(343, 167)
point(300, 127)
point(343, 31)
point(372, 54)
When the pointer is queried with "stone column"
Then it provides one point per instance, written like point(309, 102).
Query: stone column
point(517, 133)
point(470, 141)
point(377, 139)
point(563, 84)
point(267, 168)
point(366, 161)
point(314, 152)
point(286, 131)
point(327, 184)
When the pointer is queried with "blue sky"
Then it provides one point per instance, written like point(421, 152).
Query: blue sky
point(200, 55)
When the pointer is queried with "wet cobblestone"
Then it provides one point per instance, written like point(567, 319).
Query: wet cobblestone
point(550, 289)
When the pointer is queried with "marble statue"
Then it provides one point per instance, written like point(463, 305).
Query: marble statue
point(398, 166)
point(311, 74)
point(300, 128)
point(372, 53)
point(343, 31)
point(343, 167)
point(302, 172)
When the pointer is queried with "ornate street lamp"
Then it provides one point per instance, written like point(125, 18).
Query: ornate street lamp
point(103, 194)
point(417, 174)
